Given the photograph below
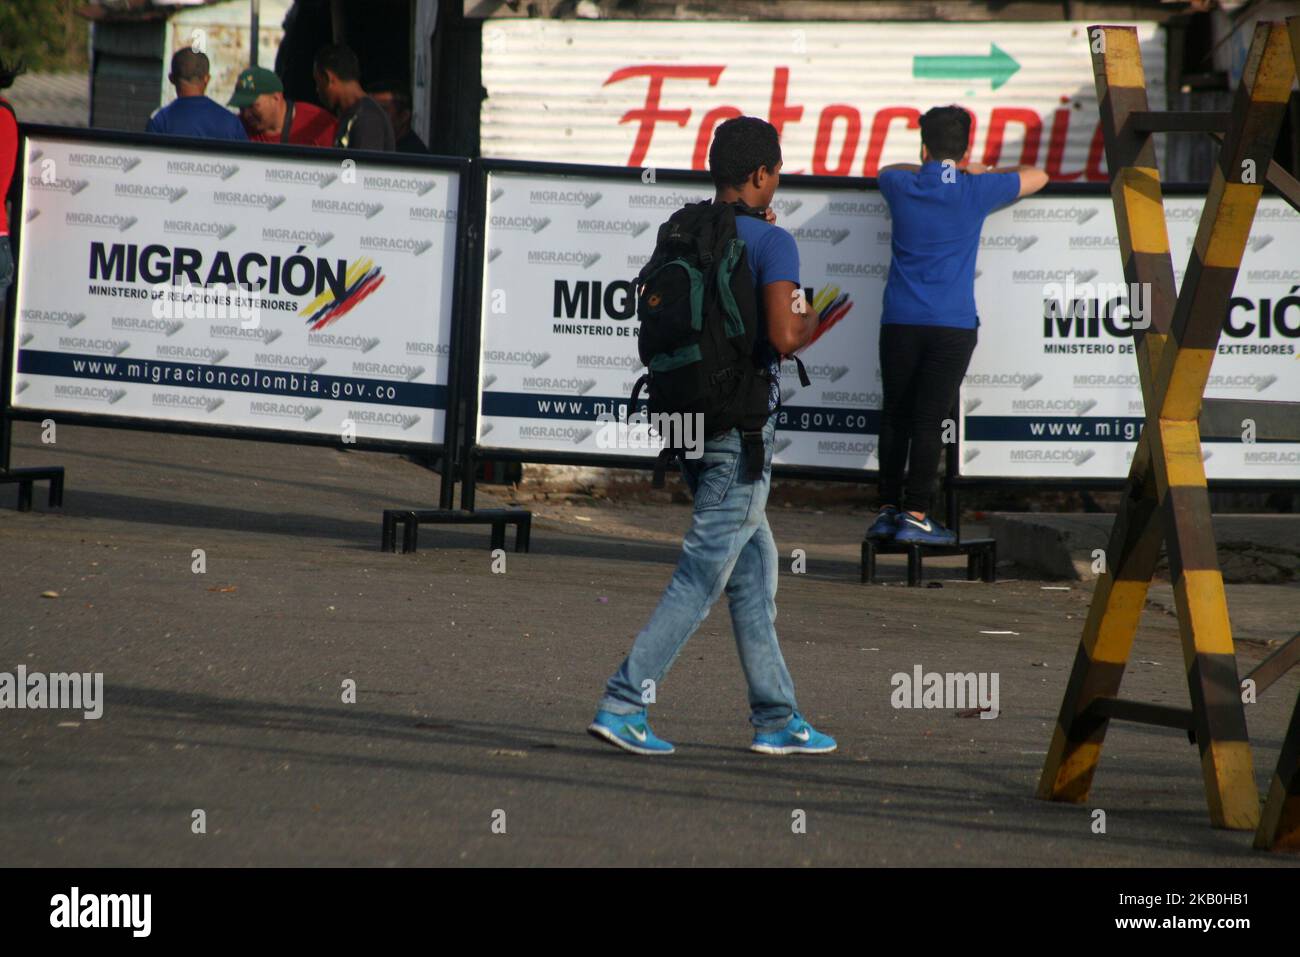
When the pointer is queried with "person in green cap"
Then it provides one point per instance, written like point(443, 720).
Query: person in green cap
point(269, 117)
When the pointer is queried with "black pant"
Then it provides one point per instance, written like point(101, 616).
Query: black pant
point(921, 368)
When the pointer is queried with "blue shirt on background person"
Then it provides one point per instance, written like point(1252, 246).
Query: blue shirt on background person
point(935, 239)
point(197, 116)
point(773, 257)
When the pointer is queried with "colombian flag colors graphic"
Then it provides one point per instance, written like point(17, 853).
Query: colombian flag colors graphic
point(832, 306)
point(363, 278)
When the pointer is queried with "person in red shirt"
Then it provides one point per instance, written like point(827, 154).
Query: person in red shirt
point(8, 162)
point(270, 118)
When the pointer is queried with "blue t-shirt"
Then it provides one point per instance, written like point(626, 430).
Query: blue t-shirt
point(197, 116)
point(773, 257)
point(934, 241)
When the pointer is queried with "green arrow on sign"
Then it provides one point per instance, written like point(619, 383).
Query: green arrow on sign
point(997, 66)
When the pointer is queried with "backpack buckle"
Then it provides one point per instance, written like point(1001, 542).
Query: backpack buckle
point(661, 465)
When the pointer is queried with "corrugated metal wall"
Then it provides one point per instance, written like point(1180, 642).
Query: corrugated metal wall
point(128, 60)
point(846, 95)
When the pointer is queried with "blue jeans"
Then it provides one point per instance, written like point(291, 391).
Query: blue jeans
point(729, 546)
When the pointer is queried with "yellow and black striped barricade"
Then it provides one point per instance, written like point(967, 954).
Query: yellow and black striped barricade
point(1166, 498)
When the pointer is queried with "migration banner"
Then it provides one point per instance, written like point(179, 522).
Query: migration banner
point(559, 313)
point(1052, 390)
point(235, 289)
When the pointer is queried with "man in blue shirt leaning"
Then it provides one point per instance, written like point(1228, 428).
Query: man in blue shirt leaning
point(928, 323)
point(192, 113)
point(729, 545)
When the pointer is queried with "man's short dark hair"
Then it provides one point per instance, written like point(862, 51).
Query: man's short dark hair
point(945, 132)
point(401, 92)
point(740, 146)
point(339, 60)
point(189, 66)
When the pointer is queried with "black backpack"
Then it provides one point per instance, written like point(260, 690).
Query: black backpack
point(699, 325)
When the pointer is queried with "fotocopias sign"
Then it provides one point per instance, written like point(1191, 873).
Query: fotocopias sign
point(846, 98)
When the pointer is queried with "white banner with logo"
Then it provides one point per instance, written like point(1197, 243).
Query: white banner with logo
point(559, 344)
point(235, 290)
point(1055, 397)
point(1053, 387)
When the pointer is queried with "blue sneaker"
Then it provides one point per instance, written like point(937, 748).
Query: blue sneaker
point(885, 525)
point(922, 531)
point(629, 732)
point(797, 737)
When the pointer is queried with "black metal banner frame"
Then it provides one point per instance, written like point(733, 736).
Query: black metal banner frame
point(190, 146)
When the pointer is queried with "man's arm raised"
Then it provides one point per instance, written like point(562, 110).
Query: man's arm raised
point(788, 328)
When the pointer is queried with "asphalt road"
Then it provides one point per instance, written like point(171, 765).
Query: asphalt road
point(223, 691)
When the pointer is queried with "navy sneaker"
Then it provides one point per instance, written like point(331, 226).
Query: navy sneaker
point(885, 525)
point(922, 531)
point(797, 737)
point(629, 732)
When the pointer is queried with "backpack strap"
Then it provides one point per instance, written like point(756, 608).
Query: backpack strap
point(751, 444)
point(288, 122)
point(665, 456)
point(636, 392)
point(744, 209)
point(704, 241)
point(803, 373)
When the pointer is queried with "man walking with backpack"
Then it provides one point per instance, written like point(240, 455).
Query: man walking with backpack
point(928, 323)
point(746, 304)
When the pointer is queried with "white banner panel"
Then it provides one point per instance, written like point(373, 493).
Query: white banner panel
point(559, 313)
point(131, 255)
point(1058, 395)
point(846, 97)
point(1043, 398)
